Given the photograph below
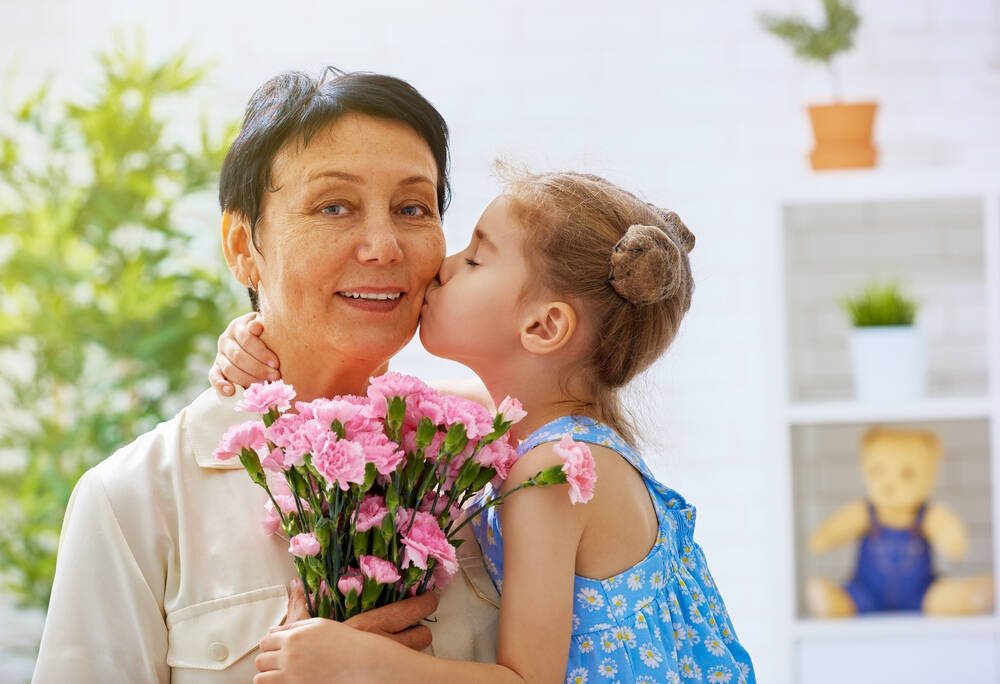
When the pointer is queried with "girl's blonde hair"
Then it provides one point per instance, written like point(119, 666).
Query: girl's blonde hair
point(622, 260)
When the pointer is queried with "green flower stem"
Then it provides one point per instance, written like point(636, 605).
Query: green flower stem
point(531, 482)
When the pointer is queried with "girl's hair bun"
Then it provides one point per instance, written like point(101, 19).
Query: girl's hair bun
point(647, 263)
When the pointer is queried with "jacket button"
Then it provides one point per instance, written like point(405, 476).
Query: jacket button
point(217, 651)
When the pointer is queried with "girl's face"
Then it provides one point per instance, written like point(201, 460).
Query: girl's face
point(472, 316)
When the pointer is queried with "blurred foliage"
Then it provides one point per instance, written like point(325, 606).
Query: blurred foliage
point(822, 42)
point(108, 314)
point(880, 304)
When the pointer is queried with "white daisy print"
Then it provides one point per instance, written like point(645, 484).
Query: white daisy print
point(673, 678)
point(689, 668)
point(618, 604)
point(635, 580)
point(715, 646)
point(640, 621)
point(590, 598)
point(586, 644)
point(656, 580)
point(608, 642)
point(608, 668)
point(719, 674)
point(643, 603)
point(626, 636)
point(577, 676)
point(695, 614)
point(650, 656)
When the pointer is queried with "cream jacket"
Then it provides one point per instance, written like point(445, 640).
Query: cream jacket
point(165, 575)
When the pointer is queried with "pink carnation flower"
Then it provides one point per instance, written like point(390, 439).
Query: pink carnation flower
point(371, 512)
point(340, 461)
point(274, 461)
point(578, 464)
point(248, 435)
point(511, 411)
point(351, 580)
point(498, 455)
point(477, 420)
point(272, 521)
point(378, 569)
point(304, 544)
point(381, 451)
point(394, 384)
point(424, 540)
point(328, 410)
point(261, 397)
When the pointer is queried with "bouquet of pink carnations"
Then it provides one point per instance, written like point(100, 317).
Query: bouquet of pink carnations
point(371, 491)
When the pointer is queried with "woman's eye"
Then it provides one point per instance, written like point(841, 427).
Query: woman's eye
point(334, 210)
point(414, 210)
point(471, 262)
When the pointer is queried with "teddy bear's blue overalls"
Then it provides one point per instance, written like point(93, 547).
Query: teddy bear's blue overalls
point(894, 567)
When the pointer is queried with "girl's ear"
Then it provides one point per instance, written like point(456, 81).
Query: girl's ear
point(239, 250)
point(548, 327)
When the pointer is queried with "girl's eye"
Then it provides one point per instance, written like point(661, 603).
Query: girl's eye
point(414, 210)
point(471, 262)
point(334, 210)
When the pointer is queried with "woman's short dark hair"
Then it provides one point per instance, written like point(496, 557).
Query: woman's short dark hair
point(297, 104)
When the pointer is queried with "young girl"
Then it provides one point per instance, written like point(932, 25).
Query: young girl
point(569, 288)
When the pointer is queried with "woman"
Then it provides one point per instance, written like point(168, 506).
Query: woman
point(163, 572)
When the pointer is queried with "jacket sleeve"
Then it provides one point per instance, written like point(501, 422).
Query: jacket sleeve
point(105, 623)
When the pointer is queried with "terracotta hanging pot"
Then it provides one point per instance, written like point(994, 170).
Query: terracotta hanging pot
point(843, 134)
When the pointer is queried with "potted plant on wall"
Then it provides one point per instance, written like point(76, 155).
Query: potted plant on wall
point(887, 349)
point(842, 130)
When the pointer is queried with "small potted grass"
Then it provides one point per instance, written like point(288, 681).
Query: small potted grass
point(887, 349)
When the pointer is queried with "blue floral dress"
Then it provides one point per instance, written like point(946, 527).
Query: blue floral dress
point(662, 620)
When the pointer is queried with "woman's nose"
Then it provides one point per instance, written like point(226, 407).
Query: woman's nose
point(380, 244)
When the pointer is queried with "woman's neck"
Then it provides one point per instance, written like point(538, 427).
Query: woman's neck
point(314, 373)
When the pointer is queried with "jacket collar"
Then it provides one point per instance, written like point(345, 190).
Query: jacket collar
point(206, 420)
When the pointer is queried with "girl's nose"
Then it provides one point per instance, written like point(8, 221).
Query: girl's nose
point(447, 268)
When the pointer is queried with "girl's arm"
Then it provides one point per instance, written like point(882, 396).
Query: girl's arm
point(244, 359)
point(542, 531)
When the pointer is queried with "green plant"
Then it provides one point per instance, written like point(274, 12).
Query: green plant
point(819, 43)
point(108, 306)
point(880, 304)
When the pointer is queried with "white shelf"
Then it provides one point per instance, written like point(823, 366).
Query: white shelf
point(866, 627)
point(849, 411)
point(887, 184)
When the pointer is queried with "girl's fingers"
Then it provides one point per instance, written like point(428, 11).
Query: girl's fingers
point(272, 677)
point(246, 361)
point(233, 373)
point(247, 336)
point(219, 383)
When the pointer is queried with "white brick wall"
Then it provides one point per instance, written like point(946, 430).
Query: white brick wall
point(690, 104)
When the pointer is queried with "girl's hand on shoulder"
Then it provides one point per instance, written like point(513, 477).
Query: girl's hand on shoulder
point(242, 357)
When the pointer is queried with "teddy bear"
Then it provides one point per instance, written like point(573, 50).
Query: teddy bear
point(898, 528)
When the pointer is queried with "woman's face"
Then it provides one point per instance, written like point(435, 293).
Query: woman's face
point(473, 315)
point(349, 240)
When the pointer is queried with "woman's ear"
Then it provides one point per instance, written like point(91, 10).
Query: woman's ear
point(548, 327)
point(237, 245)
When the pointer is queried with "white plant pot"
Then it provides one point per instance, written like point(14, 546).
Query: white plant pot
point(889, 363)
